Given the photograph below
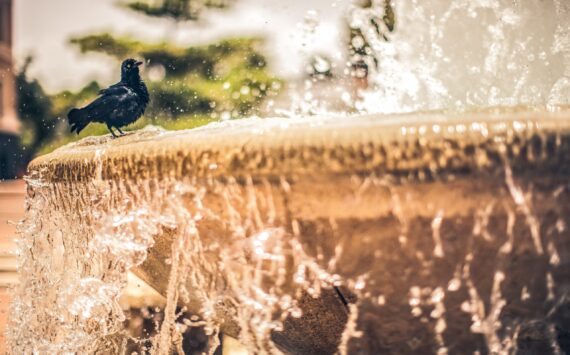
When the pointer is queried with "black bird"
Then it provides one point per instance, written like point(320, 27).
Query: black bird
point(118, 105)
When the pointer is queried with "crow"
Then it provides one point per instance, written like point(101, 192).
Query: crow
point(118, 105)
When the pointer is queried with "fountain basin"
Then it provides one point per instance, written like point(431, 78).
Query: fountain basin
point(391, 234)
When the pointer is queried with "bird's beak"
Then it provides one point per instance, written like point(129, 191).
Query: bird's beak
point(138, 63)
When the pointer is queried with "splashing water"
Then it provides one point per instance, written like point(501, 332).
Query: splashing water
point(457, 55)
point(68, 301)
point(79, 245)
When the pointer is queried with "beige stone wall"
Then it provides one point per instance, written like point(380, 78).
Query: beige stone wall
point(8, 118)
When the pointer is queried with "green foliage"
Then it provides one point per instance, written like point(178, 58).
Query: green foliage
point(173, 99)
point(66, 100)
point(229, 75)
point(43, 115)
point(35, 109)
point(178, 61)
point(180, 10)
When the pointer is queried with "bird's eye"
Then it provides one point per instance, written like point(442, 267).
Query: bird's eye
point(128, 66)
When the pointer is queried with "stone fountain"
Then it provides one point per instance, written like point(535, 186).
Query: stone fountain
point(421, 233)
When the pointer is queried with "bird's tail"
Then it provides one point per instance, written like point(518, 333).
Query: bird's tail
point(77, 119)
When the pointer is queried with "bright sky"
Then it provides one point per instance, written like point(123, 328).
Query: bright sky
point(42, 29)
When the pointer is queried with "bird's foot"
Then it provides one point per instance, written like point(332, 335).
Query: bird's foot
point(121, 132)
point(112, 132)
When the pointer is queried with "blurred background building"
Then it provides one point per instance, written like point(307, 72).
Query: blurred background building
point(10, 151)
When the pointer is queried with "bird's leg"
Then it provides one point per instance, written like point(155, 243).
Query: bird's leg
point(111, 130)
point(121, 132)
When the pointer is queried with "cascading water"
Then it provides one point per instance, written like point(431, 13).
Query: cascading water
point(416, 232)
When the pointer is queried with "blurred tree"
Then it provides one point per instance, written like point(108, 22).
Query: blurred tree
point(35, 110)
point(179, 10)
point(228, 76)
point(42, 114)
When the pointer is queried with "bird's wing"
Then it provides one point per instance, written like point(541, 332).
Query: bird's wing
point(115, 89)
point(110, 102)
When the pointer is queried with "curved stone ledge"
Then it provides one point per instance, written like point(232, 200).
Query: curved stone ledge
point(399, 144)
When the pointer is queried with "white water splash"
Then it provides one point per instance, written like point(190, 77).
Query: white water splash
point(469, 53)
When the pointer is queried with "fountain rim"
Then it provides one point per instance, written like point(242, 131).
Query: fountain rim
point(391, 144)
